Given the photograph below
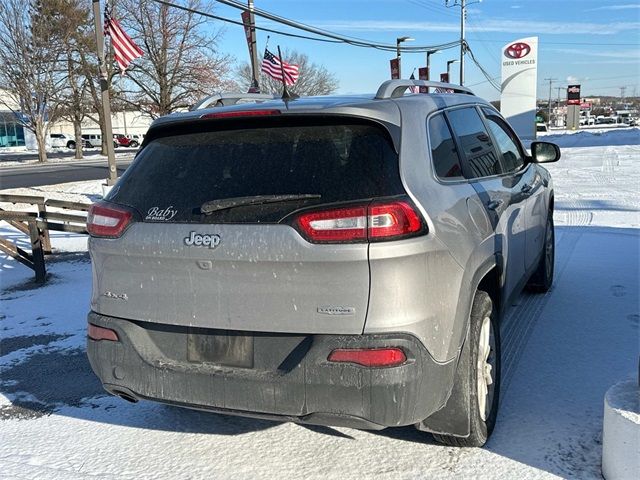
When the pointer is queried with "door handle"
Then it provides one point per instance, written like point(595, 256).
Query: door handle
point(526, 188)
point(494, 204)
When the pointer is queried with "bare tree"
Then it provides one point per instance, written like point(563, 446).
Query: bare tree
point(313, 80)
point(180, 63)
point(77, 37)
point(30, 52)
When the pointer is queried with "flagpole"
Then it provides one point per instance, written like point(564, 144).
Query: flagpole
point(104, 88)
point(285, 92)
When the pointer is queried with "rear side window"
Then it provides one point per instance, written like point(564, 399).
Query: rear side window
point(338, 162)
point(475, 142)
point(444, 154)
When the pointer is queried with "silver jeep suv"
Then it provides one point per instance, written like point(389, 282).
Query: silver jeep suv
point(333, 260)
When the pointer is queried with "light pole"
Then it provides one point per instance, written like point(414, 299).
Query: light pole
point(449, 69)
point(429, 53)
point(399, 40)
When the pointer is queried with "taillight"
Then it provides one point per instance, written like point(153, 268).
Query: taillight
point(392, 220)
point(106, 220)
point(336, 225)
point(369, 357)
point(242, 113)
point(375, 222)
point(97, 333)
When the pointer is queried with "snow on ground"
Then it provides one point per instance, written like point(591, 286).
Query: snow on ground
point(83, 192)
point(562, 351)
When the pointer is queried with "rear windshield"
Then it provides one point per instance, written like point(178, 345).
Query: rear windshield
point(173, 176)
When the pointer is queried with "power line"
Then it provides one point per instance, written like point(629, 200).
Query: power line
point(317, 31)
point(490, 79)
point(433, 8)
point(236, 22)
point(483, 30)
point(483, 82)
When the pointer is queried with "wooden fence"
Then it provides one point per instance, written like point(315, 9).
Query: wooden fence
point(37, 224)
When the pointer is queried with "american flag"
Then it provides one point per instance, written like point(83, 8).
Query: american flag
point(413, 89)
point(271, 67)
point(124, 48)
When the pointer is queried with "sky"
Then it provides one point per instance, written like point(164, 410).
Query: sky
point(595, 43)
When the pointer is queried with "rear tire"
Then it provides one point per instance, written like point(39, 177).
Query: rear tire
point(542, 278)
point(484, 394)
point(71, 145)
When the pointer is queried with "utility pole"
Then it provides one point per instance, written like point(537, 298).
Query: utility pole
point(550, 80)
point(558, 104)
point(463, 17)
point(104, 88)
point(255, 87)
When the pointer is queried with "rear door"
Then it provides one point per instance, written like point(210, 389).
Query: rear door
point(244, 267)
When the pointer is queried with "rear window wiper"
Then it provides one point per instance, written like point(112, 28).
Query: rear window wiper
point(226, 203)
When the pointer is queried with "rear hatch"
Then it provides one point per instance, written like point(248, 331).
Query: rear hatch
point(215, 239)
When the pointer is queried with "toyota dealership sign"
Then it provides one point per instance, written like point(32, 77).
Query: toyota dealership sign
point(517, 50)
point(519, 79)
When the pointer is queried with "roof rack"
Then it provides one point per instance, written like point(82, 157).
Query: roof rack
point(225, 99)
point(396, 88)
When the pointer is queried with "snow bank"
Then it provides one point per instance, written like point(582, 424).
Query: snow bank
point(594, 137)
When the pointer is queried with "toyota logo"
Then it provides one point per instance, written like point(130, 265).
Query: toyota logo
point(517, 50)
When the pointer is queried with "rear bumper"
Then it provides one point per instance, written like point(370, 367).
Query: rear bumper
point(290, 379)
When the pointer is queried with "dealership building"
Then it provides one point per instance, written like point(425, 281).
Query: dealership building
point(14, 136)
point(12, 133)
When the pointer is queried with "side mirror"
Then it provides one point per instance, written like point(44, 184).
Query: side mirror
point(544, 152)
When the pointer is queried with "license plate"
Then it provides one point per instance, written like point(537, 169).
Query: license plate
point(229, 350)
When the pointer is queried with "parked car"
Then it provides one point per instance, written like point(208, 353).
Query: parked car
point(62, 140)
point(137, 137)
point(95, 140)
point(605, 120)
point(332, 260)
point(541, 127)
point(125, 141)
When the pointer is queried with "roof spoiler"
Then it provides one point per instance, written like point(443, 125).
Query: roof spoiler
point(396, 88)
point(225, 99)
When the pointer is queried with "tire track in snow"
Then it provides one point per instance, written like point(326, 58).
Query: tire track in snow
point(575, 213)
point(517, 326)
point(607, 174)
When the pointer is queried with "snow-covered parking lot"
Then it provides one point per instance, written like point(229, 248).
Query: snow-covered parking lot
point(562, 351)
